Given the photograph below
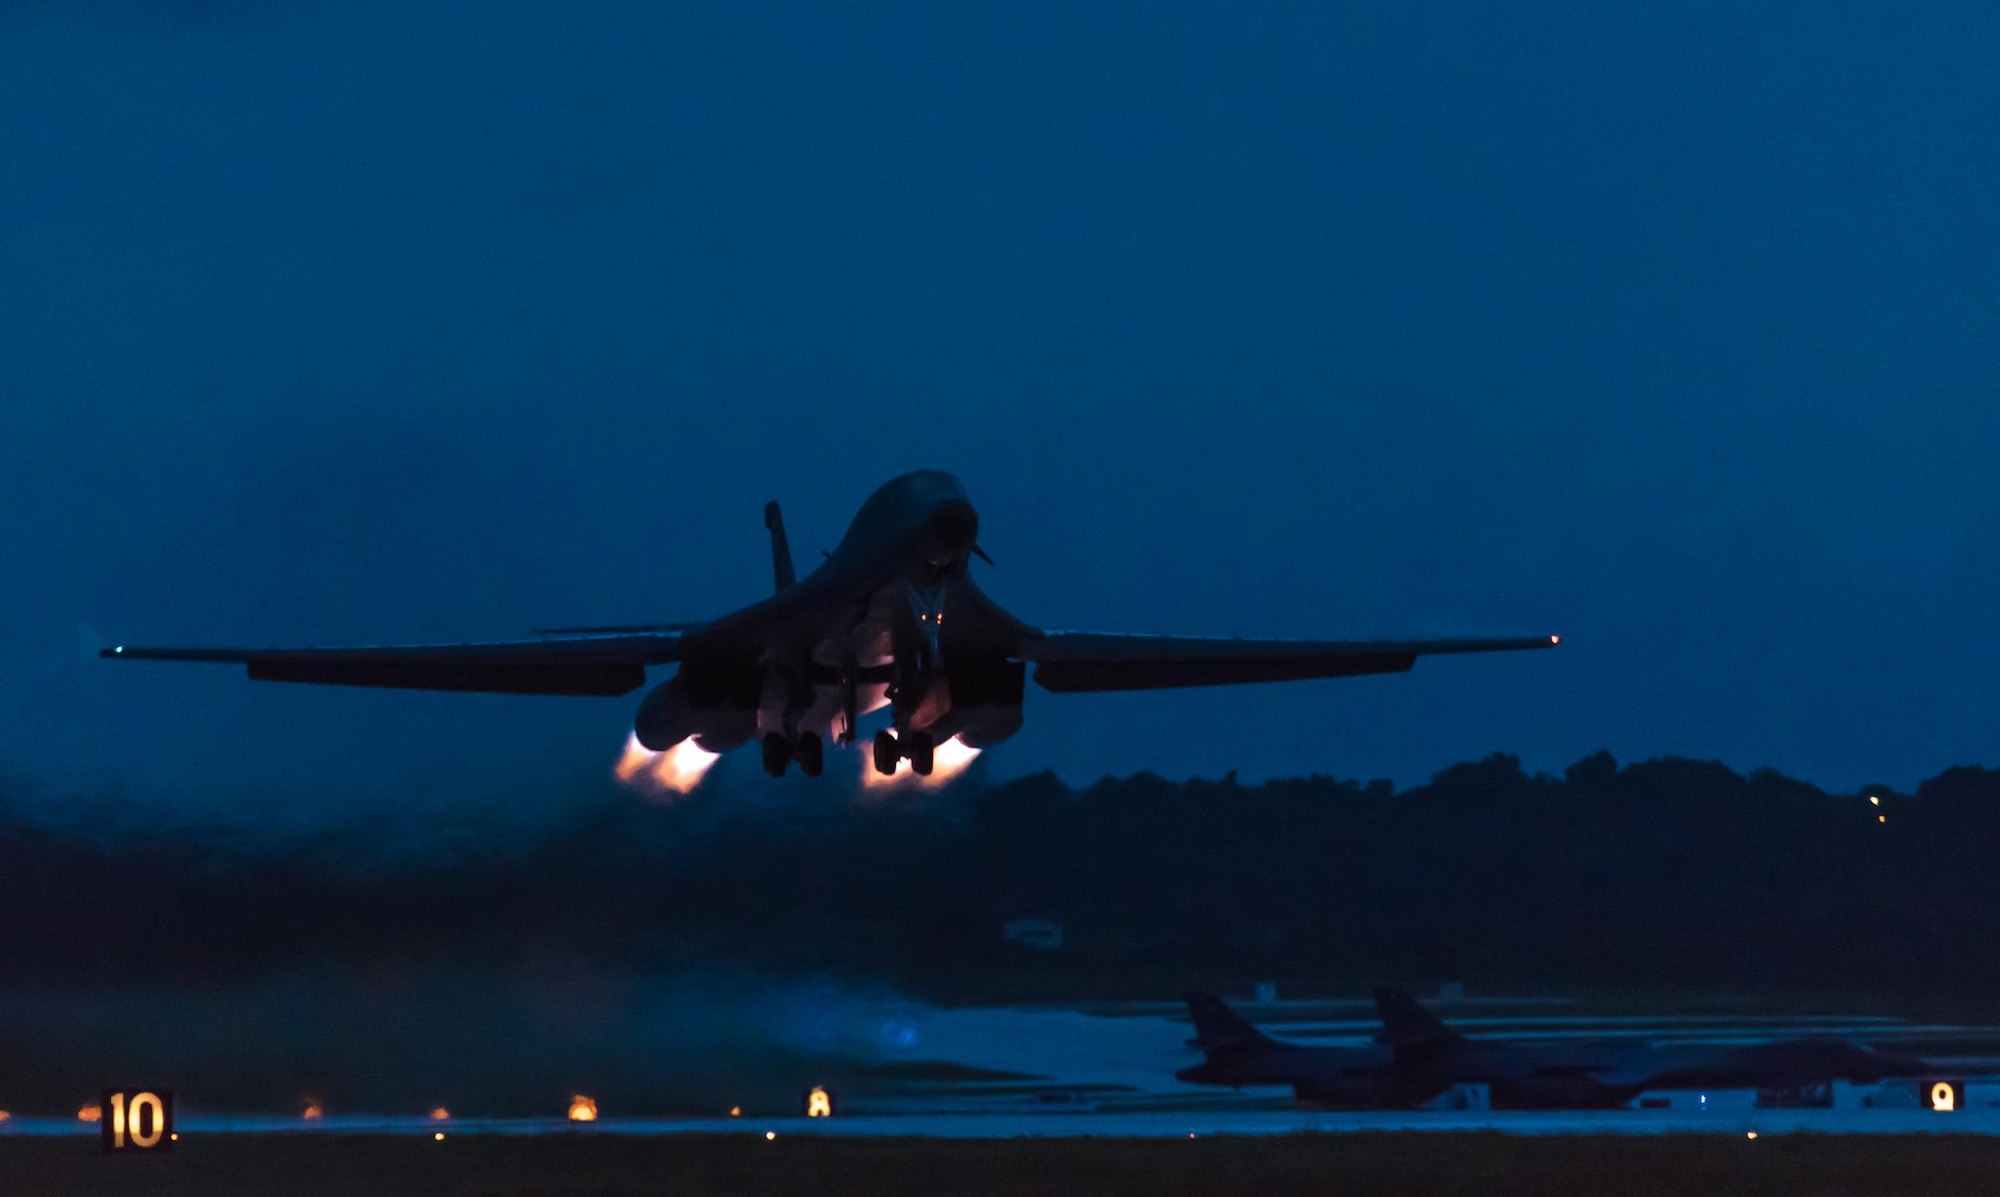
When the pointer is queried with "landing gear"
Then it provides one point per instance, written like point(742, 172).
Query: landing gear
point(810, 753)
point(777, 754)
point(919, 748)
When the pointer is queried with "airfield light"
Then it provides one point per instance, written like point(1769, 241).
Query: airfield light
point(440, 1114)
point(5, 1116)
point(1874, 801)
point(735, 1111)
point(1753, 1134)
point(677, 770)
point(439, 1136)
point(582, 1109)
point(948, 760)
point(1881, 818)
point(1555, 640)
point(175, 1137)
point(312, 1112)
point(770, 1135)
point(89, 1113)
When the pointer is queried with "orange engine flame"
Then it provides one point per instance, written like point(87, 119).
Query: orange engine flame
point(89, 1113)
point(948, 760)
point(677, 770)
point(582, 1109)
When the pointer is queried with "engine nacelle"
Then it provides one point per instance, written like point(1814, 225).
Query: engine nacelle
point(667, 716)
point(985, 700)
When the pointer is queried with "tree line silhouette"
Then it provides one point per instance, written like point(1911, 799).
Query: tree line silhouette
point(1666, 872)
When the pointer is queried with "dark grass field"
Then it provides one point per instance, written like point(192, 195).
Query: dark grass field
point(692, 1166)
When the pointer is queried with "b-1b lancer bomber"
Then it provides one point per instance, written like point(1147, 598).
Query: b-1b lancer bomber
point(1417, 1058)
point(891, 618)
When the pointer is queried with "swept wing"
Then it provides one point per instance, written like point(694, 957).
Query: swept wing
point(602, 664)
point(1069, 662)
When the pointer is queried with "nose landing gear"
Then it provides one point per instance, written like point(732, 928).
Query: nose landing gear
point(808, 750)
point(810, 753)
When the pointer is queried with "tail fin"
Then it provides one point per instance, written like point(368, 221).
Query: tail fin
point(1406, 1022)
point(1216, 1026)
point(781, 549)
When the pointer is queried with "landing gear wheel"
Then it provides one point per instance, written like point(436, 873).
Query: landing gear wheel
point(777, 754)
point(887, 752)
point(810, 753)
point(920, 750)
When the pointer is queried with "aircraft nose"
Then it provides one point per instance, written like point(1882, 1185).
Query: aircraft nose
point(954, 525)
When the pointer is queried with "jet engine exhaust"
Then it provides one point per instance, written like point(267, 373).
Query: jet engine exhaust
point(677, 770)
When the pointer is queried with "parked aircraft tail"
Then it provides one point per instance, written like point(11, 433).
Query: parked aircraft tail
point(1217, 1027)
point(1407, 1023)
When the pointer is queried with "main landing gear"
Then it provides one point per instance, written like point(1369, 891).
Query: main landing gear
point(808, 750)
point(915, 745)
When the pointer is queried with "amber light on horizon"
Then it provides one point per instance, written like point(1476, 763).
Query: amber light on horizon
point(582, 1109)
point(675, 771)
point(440, 1114)
point(312, 1112)
point(89, 1113)
point(948, 760)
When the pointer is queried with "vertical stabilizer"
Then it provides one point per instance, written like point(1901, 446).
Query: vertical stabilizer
point(1406, 1022)
point(781, 549)
point(1217, 1027)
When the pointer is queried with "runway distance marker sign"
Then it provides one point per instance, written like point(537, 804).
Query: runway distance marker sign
point(137, 1120)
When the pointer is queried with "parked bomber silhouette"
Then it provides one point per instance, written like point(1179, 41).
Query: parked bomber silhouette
point(1418, 1058)
point(891, 618)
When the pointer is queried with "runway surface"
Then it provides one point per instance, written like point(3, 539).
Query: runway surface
point(1108, 1070)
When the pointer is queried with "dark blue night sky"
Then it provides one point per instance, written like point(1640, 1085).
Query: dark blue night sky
point(1668, 328)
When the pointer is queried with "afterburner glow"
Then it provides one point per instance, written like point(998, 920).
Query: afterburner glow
point(677, 770)
point(948, 761)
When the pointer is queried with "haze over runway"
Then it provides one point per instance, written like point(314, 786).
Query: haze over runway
point(1669, 333)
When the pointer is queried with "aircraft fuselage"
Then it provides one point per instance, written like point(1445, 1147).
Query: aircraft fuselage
point(891, 617)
